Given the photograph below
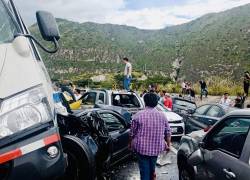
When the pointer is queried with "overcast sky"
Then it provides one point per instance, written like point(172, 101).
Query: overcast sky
point(144, 14)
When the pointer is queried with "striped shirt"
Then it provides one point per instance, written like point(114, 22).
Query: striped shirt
point(149, 129)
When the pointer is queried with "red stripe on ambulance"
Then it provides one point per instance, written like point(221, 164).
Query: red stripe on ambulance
point(13, 154)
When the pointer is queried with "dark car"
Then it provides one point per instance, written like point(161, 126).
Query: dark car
point(223, 153)
point(94, 140)
point(183, 106)
point(205, 116)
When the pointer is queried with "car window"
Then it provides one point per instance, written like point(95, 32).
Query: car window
point(125, 100)
point(202, 109)
point(89, 98)
point(112, 122)
point(230, 136)
point(214, 111)
point(101, 97)
point(206, 122)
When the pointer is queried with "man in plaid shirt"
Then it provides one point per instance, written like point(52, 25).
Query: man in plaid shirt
point(150, 135)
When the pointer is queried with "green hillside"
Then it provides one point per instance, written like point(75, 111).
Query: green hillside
point(215, 44)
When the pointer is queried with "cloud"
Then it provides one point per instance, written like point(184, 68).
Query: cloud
point(77, 10)
point(115, 11)
point(145, 19)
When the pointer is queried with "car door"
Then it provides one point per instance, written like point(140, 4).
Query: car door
point(224, 152)
point(119, 132)
point(194, 121)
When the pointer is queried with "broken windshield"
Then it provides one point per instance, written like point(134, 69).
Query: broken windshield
point(125, 100)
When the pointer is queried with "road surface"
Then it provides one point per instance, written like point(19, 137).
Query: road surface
point(130, 170)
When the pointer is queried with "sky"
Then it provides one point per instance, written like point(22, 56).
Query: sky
point(143, 14)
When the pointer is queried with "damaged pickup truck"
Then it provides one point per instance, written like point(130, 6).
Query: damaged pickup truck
point(94, 140)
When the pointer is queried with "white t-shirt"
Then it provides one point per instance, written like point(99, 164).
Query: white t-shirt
point(128, 69)
point(225, 102)
point(183, 85)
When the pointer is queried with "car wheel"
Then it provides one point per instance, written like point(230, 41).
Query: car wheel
point(79, 166)
point(186, 172)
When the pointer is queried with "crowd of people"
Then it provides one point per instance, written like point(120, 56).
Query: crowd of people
point(150, 132)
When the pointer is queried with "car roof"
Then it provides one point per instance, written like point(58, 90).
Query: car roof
point(83, 111)
point(239, 112)
point(112, 91)
point(183, 99)
point(226, 108)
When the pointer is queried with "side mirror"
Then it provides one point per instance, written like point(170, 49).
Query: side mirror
point(210, 122)
point(47, 26)
point(195, 158)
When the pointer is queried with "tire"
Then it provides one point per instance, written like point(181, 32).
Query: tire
point(80, 163)
point(186, 172)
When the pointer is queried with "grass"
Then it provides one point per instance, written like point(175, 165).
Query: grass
point(217, 86)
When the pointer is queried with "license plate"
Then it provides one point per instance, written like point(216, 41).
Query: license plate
point(174, 130)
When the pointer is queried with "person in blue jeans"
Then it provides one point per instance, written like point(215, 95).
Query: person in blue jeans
point(127, 74)
point(150, 135)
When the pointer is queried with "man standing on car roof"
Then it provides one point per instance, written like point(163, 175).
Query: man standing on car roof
point(150, 135)
point(127, 74)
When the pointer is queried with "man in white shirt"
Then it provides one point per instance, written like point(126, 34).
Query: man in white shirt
point(225, 100)
point(127, 74)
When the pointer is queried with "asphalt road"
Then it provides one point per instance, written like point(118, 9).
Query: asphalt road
point(130, 171)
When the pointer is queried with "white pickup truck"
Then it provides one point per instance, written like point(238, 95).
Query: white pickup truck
point(131, 102)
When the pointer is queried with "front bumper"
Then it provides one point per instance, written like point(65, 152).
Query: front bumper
point(34, 161)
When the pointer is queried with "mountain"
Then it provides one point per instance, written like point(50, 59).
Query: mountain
point(215, 44)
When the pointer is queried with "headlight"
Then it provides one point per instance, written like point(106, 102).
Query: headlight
point(24, 110)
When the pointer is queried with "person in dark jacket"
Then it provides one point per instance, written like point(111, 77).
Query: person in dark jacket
point(246, 83)
point(203, 87)
point(239, 101)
